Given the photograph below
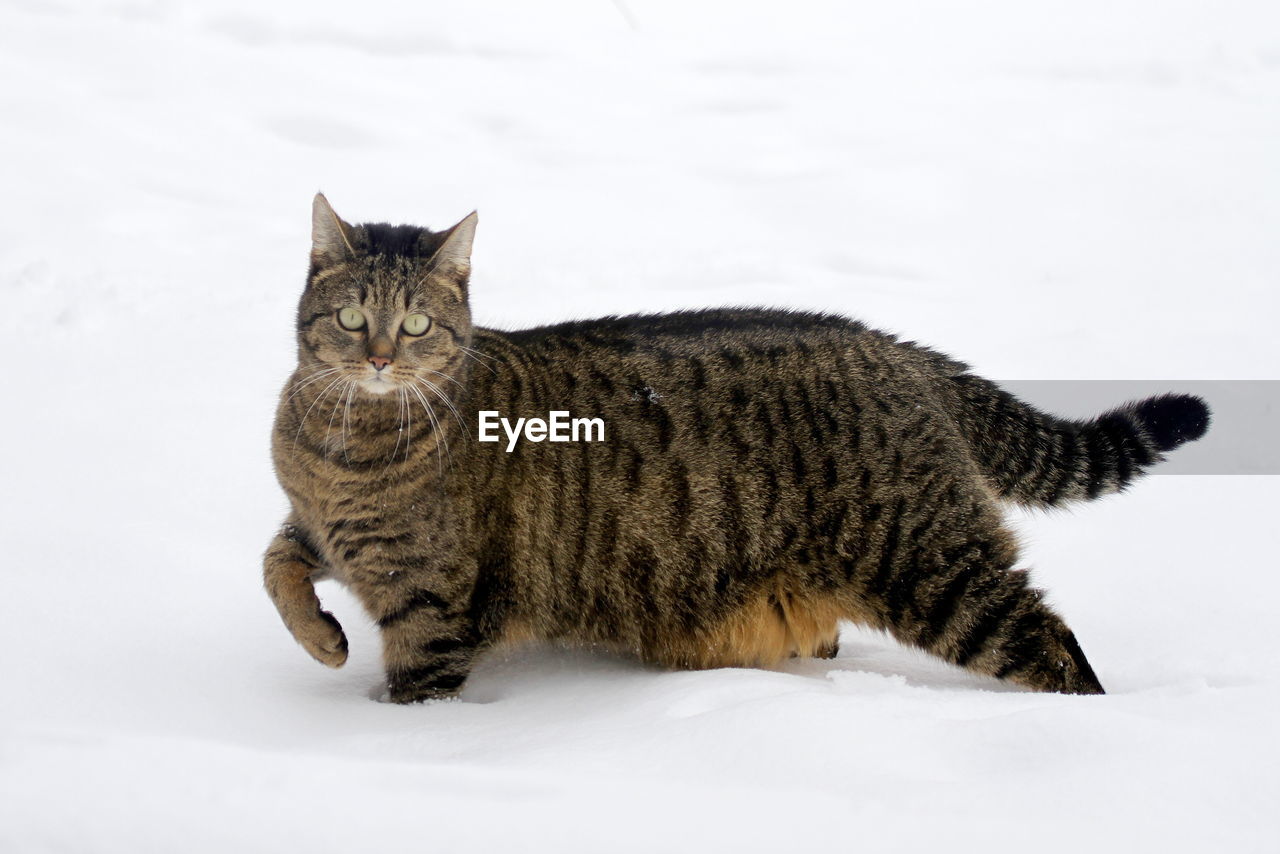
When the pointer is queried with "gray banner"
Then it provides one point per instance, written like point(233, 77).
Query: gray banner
point(1244, 437)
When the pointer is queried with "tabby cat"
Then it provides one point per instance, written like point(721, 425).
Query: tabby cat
point(764, 475)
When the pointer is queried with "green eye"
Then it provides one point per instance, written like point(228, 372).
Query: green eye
point(351, 318)
point(416, 324)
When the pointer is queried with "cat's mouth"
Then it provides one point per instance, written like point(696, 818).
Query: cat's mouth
point(379, 384)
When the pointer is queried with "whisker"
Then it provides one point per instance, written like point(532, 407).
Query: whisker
point(302, 422)
point(477, 353)
point(346, 414)
point(408, 411)
point(310, 376)
point(447, 377)
point(472, 354)
point(328, 428)
point(399, 428)
point(297, 388)
point(435, 389)
point(435, 425)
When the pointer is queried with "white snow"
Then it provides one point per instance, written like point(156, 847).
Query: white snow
point(1083, 189)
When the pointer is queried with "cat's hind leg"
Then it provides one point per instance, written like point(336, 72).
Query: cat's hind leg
point(960, 600)
point(1000, 626)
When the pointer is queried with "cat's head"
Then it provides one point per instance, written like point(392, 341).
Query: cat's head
point(385, 304)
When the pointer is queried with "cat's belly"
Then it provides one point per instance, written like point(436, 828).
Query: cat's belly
point(768, 629)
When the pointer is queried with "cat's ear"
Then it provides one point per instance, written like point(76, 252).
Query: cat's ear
point(453, 258)
point(329, 241)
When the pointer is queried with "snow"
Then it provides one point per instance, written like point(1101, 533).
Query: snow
point(1083, 190)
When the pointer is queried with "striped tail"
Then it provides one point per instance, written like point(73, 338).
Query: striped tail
point(1043, 461)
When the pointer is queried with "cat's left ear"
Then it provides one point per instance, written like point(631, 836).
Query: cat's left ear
point(453, 258)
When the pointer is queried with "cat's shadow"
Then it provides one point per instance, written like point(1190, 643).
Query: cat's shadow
point(872, 654)
point(872, 659)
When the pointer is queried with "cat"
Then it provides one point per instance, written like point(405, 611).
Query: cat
point(763, 475)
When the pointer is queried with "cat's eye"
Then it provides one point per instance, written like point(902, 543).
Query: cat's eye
point(416, 324)
point(351, 318)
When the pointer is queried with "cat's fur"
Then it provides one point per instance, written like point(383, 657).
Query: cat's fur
point(765, 475)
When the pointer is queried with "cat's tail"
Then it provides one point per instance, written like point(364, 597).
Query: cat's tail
point(1043, 461)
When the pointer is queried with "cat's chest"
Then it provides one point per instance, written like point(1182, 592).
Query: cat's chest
point(360, 526)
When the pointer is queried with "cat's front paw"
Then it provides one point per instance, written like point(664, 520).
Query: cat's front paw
point(405, 688)
point(405, 698)
point(323, 638)
point(382, 694)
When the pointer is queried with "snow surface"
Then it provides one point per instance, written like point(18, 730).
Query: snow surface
point(1051, 190)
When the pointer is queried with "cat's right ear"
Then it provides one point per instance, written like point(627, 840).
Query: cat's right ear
point(329, 241)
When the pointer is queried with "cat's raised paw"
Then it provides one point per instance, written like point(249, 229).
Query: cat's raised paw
point(324, 639)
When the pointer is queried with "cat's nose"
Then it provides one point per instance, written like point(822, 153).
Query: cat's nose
point(379, 362)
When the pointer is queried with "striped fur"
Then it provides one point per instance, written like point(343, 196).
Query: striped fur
point(766, 474)
point(1042, 461)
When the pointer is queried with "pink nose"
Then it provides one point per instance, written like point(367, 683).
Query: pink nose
point(379, 362)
